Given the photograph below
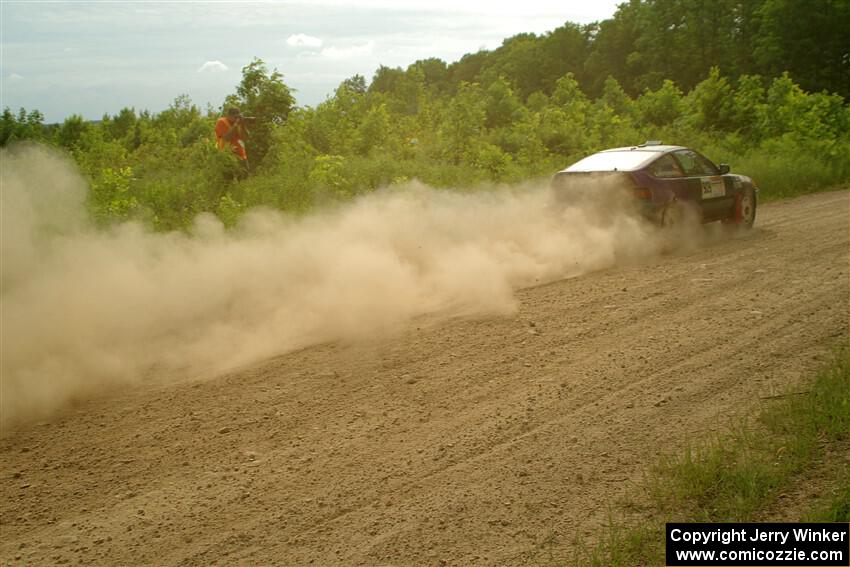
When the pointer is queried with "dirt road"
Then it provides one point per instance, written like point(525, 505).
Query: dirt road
point(462, 442)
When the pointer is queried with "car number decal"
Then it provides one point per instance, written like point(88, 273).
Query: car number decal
point(712, 187)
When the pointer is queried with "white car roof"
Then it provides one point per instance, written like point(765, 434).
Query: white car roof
point(658, 148)
point(629, 158)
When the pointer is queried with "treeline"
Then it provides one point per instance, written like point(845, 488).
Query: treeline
point(648, 41)
point(510, 114)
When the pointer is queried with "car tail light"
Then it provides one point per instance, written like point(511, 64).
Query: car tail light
point(643, 193)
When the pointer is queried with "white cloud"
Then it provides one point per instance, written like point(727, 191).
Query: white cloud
point(212, 67)
point(303, 40)
point(15, 77)
point(333, 52)
point(573, 10)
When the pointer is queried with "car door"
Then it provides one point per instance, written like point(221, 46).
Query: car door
point(705, 188)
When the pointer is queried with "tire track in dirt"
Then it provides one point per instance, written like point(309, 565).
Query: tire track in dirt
point(484, 442)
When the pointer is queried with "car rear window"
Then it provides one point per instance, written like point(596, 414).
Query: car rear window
point(614, 161)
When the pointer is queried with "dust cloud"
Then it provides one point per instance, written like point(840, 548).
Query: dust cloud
point(85, 310)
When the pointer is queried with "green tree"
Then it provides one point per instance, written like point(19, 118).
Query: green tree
point(468, 68)
point(435, 74)
point(462, 125)
point(24, 126)
point(564, 50)
point(501, 105)
point(408, 92)
point(123, 124)
point(614, 50)
point(662, 106)
point(374, 131)
point(69, 134)
point(355, 84)
point(614, 97)
point(331, 126)
point(790, 110)
point(711, 103)
point(8, 127)
point(807, 38)
point(748, 106)
point(521, 139)
point(267, 98)
point(565, 123)
point(329, 173)
point(519, 57)
point(385, 79)
point(785, 106)
point(181, 122)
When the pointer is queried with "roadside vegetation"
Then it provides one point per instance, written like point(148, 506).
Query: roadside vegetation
point(739, 85)
point(740, 474)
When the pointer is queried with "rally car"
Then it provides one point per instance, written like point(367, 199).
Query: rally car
point(664, 181)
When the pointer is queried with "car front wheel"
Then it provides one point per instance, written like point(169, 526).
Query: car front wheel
point(747, 216)
point(745, 211)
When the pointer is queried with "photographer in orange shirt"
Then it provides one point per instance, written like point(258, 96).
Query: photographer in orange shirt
point(231, 130)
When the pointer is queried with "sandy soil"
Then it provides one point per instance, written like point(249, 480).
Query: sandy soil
point(460, 442)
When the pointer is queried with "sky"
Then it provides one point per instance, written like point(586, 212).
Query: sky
point(90, 58)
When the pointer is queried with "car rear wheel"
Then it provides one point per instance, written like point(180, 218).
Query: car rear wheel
point(672, 216)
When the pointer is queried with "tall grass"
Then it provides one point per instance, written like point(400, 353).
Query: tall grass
point(836, 507)
point(734, 476)
point(784, 167)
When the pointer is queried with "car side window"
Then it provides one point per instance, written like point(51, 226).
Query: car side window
point(694, 164)
point(665, 166)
